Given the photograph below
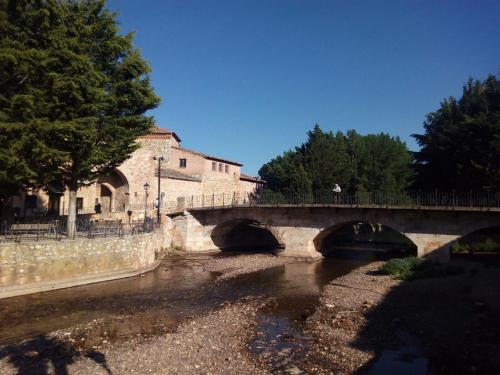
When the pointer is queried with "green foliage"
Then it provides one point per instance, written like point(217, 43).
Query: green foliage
point(73, 93)
point(376, 162)
point(460, 148)
point(412, 268)
point(487, 245)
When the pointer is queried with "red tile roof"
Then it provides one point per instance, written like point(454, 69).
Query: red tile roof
point(209, 156)
point(246, 177)
point(156, 131)
point(176, 175)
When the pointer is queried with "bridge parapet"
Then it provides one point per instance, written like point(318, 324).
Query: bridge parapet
point(453, 201)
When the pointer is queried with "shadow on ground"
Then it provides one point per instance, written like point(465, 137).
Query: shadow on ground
point(454, 320)
point(43, 355)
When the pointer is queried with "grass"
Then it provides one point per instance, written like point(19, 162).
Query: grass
point(486, 246)
point(412, 268)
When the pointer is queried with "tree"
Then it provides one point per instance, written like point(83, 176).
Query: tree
point(375, 162)
point(385, 165)
point(73, 93)
point(325, 159)
point(460, 148)
point(286, 174)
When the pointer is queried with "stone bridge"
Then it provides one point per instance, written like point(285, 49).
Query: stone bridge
point(301, 231)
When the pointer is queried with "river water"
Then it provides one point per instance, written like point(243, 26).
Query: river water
point(177, 290)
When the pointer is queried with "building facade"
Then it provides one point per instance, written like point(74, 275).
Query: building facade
point(182, 173)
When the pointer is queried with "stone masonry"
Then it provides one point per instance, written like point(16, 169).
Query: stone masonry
point(29, 266)
point(183, 173)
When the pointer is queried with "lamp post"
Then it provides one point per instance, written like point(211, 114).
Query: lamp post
point(160, 158)
point(146, 188)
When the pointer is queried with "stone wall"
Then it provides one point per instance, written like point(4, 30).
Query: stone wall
point(30, 267)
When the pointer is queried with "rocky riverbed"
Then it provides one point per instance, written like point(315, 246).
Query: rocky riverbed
point(442, 325)
point(229, 267)
point(450, 324)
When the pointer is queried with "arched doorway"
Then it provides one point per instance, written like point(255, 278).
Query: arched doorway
point(245, 235)
point(112, 191)
point(364, 240)
point(106, 198)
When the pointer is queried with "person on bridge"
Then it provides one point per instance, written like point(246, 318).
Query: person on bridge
point(336, 193)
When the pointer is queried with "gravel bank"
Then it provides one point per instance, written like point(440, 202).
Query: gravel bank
point(210, 344)
point(453, 320)
point(241, 264)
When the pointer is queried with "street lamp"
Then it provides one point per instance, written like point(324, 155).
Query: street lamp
point(146, 188)
point(160, 158)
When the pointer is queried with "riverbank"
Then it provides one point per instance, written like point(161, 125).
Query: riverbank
point(446, 325)
point(211, 344)
point(246, 325)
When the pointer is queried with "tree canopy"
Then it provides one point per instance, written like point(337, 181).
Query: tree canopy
point(73, 93)
point(375, 162)
point(460, 148)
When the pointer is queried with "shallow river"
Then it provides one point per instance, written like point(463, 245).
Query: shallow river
point(178, 289)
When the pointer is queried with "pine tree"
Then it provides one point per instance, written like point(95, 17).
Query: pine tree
point(325, 159)
point(73, 93)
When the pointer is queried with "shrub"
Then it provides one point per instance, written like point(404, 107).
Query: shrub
point(412, 268)
point(487, 245)
point(460, 248)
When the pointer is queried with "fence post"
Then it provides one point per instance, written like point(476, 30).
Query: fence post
point(213, 200)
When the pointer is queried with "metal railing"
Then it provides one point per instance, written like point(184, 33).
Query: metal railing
point(86, 227)
point(418, 199)
point(36, 230)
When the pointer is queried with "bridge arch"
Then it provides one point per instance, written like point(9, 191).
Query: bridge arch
point(246, 235)
point(363, 236)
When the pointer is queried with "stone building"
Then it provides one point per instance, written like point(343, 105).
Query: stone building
point(183, 173)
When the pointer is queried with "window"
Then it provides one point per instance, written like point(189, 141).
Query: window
point(226, 168)
point(214, 166)
point(220, 167)
point(79, 205)
point(182, 163)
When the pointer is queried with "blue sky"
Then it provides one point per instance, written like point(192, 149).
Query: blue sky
point(245, 80)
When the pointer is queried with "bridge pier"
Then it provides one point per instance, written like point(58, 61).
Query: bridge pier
point(299, 242)
point(190, 235)
point(433, 246)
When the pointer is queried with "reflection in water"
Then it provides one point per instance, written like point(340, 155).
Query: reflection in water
point(159, 300)
point(178, 289)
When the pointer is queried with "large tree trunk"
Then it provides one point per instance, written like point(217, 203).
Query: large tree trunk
point(71, 229)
